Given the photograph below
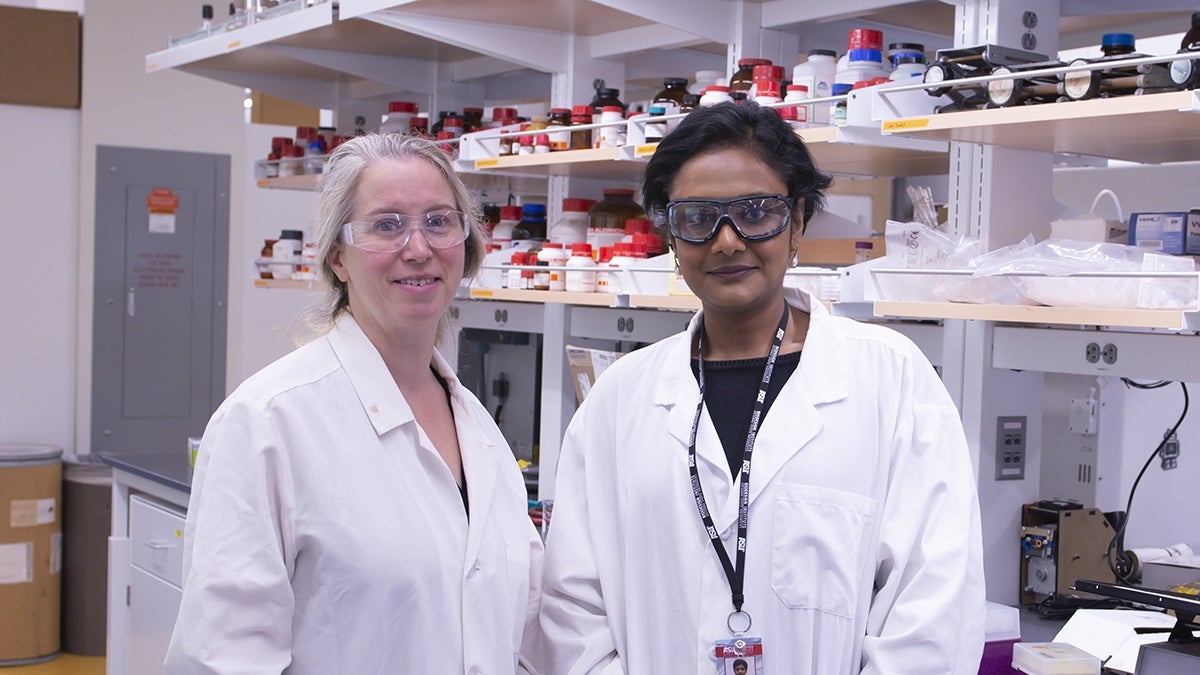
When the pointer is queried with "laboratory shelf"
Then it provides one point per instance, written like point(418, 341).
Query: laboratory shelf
point(292, 284)
point(862, 151)
point(560, 297)
point(309, 182)
point(1154, 128)
point(1172, 319)
point(604, 163)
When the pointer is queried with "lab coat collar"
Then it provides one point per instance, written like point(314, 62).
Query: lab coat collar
point(822, 377)
point(369, 375)
point(386, 408)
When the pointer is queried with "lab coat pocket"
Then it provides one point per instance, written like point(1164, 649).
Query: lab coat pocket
point(818, 548)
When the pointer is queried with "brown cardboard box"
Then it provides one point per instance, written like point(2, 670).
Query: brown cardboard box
point(835, 251)
point(39, 57)
point(269, 109)
point(586, 366)
point(30, 560)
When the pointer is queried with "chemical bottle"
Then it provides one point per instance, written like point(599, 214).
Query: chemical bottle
point(766, 92)
point(581, 269)
point(533, 221)
point(606, 276)
point(743, 77)
point(766, 72)
point(606, 218)
point(266, 254)
point(472, 119)
point(605, 96)
point(502, 233)
point(1117, 44)
point(572, 226)
point(670, 98)
point(655, 128)
point(859, 65)
point(515, 274)
point(555, 257)
point(314, 159)
point(612, 135)
point(798, 115)
point(714, 94)
point(581, 139)
point(559, 118)
point(837, 109)
point(285, 254)
point(817, 72)
point(703, 79)
point(907, 60)
point(399, 117)
point(541, 275)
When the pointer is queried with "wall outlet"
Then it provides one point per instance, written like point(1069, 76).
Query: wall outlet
point(1010, 447)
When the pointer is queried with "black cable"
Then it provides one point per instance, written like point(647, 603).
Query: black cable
point(1121, 566)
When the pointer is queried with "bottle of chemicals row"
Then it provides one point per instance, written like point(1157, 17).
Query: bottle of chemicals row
point(285, 254)
point(581, 139)
point(859, 65)
point(612, 135)
point(606, 218)
point(515, 273)
point(572, 226)
point(502, 233)
point(743, 77)
point(714, 94)
point(837, 109)
point(797, 93)
point(399, 117)
point(559, 117)
point(606, 96)
point(907, 60)
point(670, 98)
point(817, 72)
point(533, 221)
point(581, 269)
point(555, 257)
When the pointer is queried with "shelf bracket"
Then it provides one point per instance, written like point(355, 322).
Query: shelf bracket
point(709, 19)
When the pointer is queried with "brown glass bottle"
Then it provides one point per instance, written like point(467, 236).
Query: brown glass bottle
point(743, 77)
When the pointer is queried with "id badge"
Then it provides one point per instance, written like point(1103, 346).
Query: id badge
point(739, 656)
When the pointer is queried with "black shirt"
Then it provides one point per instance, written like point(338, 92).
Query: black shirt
point(730, 388)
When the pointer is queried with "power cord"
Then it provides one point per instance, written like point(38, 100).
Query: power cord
point(500, 391)
point(1119, 561)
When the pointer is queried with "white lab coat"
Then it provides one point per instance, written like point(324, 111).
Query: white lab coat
point(326, 536)
point(864, 551)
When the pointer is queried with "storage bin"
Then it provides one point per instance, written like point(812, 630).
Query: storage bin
point(30, 552)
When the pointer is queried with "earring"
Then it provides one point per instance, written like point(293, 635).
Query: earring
point(676, 265)
point(796, 258)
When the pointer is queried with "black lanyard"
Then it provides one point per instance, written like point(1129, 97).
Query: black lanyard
point(735, 574)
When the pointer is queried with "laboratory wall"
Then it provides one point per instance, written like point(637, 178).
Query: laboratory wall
point(47, 201)
point(38, 294)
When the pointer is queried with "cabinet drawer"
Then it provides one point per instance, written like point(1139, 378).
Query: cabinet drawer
point(156, 539)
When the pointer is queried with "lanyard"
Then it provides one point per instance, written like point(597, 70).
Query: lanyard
point(736, 574)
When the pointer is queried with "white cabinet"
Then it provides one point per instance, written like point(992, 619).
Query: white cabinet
point(145, 559)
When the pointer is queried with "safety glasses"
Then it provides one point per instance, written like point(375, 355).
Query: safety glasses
point(390, 232)
point(754, 218)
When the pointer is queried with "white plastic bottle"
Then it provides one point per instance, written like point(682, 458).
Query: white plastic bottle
point(605, 275)
point(555, 256)
point(795, 94)
point(612, 135)
point(581, 269)
point(817, 72)
point(714, 94)
point(502, 233)
point(572, 226)
point(285, 254)
point(623, 257)
point(860, 65)
point(514, 273)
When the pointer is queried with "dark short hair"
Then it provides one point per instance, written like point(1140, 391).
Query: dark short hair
point(740, 662)
point(736, 125)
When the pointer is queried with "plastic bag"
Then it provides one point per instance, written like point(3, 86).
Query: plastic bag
point(1062, 258)
point(984, 289)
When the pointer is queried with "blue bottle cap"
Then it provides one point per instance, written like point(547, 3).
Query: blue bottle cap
point(841, 89)
point(1117, 40)
point(865, 55)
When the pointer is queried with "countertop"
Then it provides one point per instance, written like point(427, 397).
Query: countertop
point(169, 469)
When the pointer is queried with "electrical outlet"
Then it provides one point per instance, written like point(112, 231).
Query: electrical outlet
point(1010, 447)
point(1170, 451)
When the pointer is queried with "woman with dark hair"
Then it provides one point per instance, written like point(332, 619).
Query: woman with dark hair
point(355, 509)
point(774, 481)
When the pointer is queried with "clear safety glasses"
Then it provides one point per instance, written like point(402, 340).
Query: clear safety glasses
point(390, 232)
point(754, 218)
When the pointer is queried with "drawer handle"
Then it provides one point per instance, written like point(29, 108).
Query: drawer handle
point(160, 544)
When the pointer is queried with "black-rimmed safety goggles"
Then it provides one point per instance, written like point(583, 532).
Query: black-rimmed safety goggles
point(754, 218)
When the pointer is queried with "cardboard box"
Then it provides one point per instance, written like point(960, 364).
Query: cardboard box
point(1173, 232)
point(40, 50)
point(269, 109)
point(815, 251)
point(587, 365)
point(30, 559)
